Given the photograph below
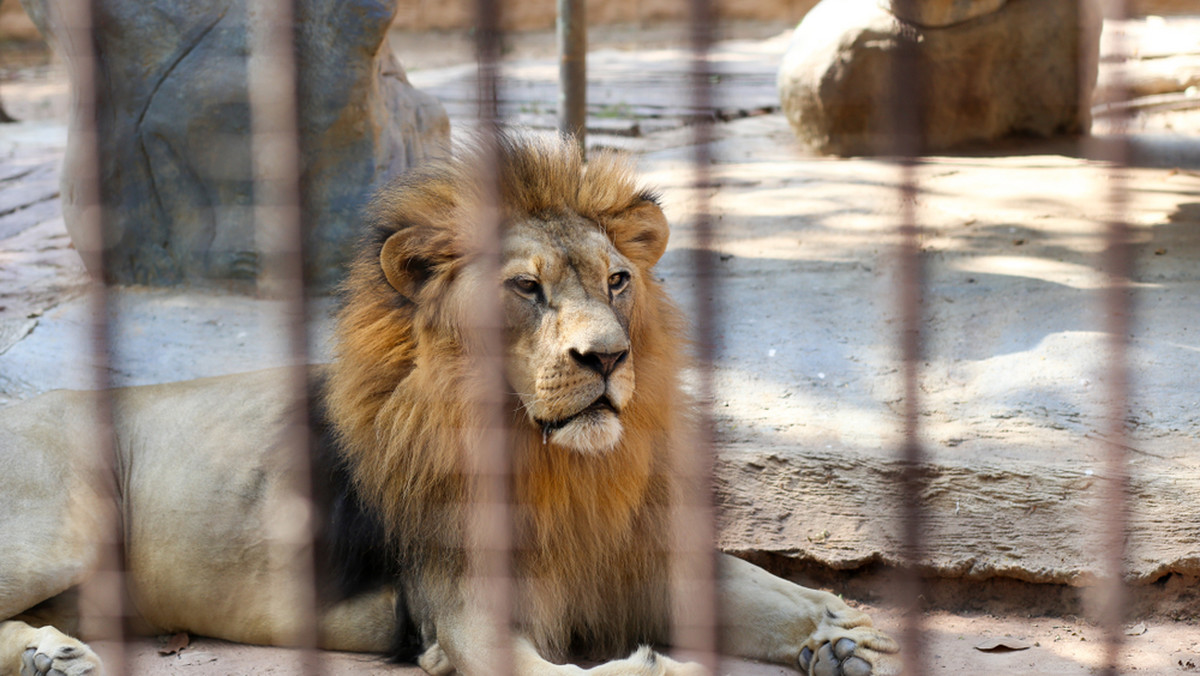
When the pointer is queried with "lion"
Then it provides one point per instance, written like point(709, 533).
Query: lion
point(593, 350)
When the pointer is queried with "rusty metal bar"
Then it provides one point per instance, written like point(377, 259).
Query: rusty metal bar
point(905, 105)
point(279, 239)
point(1117, 265)
point(912, 456)
point(489, 463)
point(694, 563)
point(571, 30)
point(102, 613)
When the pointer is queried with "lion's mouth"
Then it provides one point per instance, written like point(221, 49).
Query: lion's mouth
point(601, 405)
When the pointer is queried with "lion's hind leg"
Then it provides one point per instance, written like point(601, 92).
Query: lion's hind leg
point(30, 651)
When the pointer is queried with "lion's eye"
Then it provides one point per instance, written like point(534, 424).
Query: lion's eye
point(526, 286)
point(617, 282)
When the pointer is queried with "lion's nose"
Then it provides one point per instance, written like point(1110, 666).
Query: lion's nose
point(603, 363)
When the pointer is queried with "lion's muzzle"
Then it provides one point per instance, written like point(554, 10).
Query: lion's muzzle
point(595, 429)
point(580, 398)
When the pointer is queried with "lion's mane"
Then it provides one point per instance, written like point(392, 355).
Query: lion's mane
point(590, 532)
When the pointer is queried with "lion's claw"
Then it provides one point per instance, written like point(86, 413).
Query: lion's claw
point(826, 663)
point(856, 666)
point(844, 648)
point(806, 655)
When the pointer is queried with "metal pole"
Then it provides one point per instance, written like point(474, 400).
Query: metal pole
point(694, 563)
point(102, 613)
point(1117, 323)
point(489, 462)
point(572, 69)
point(275, 152)
point(906, 139)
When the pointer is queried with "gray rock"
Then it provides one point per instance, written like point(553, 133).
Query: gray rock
point(174, 133)
point(1026, 69)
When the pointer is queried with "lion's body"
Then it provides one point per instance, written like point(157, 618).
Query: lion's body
point(596, 412)
point(199, 474)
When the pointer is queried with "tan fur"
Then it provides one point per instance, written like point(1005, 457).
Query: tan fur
point(592, 355)
point(590, 524)
point(591, 517)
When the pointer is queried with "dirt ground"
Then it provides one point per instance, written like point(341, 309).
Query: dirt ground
point(1012, 242)
point(955, 644)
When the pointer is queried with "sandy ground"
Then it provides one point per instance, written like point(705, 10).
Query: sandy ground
point(955, 644)
point(807, 363)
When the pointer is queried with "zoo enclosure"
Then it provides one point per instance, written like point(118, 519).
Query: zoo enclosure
point(271, 72)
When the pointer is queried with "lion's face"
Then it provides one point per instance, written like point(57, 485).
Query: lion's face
point(579, 243)
point(568, 293)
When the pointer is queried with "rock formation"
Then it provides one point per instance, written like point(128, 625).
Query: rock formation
point(173, 133)
point(980, 70)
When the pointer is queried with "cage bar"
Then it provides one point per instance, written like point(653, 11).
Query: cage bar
point(489, 538)
point(571, 32)
point(101, 605)
point(275, 157)
point(694, 561)
point(905, 143)
point(1117, 321)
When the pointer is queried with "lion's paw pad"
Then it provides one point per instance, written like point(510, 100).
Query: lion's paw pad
point(60, 660)
point(834, 659)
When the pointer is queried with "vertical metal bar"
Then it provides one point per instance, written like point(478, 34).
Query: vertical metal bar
point(1117, 263)
point(275, 152)
point(102, 613)
point(489, 463)
point(905, 105)
point(1118, 320)
point(571, 28)
point(912, 457)
point(694, 564)
point(487, 55)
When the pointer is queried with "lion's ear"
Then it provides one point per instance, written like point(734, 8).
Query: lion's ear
point(640, 232)
point(405, 268)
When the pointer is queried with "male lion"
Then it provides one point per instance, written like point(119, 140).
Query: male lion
point(594, 402)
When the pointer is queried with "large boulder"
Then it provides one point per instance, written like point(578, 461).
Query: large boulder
point(984, 70)
point(174, 144)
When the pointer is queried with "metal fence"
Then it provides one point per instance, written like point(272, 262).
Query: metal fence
point(275, 151)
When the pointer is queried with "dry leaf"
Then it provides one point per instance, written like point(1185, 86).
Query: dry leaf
point(175, 644)
point(1002, 645)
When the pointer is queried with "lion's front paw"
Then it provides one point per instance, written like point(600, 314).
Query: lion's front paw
point(845, 645)
point(835, 659)
point(54, 653)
